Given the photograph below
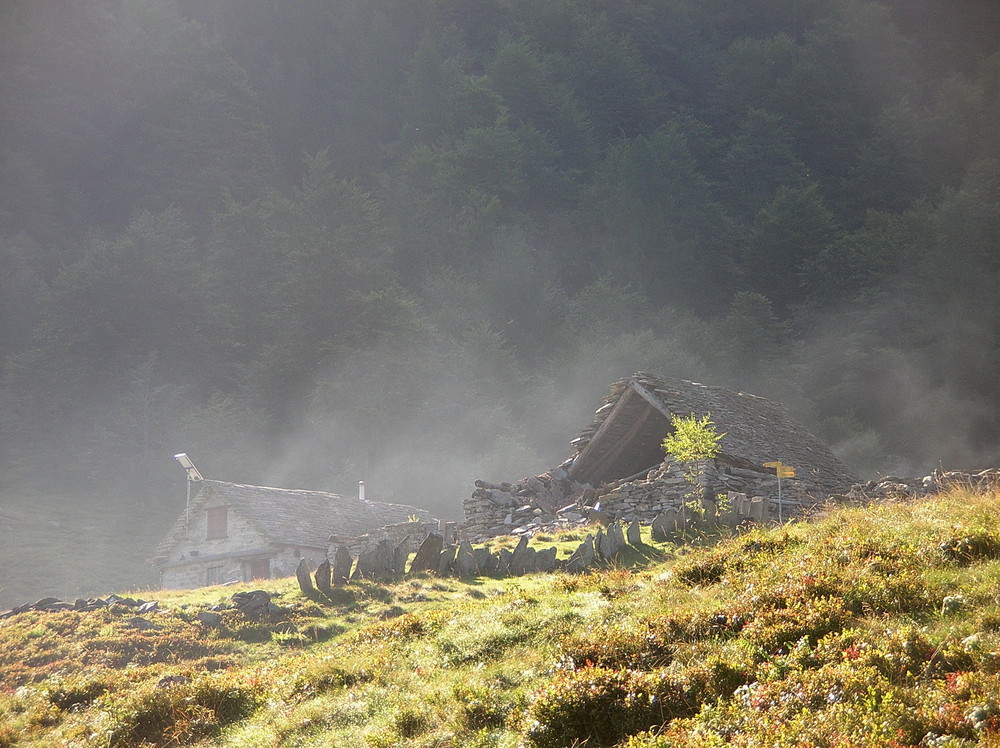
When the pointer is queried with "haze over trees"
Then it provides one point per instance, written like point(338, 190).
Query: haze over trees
point(316, 241)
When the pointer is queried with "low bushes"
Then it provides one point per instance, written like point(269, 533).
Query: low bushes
point(177, 714)
point(603, 706)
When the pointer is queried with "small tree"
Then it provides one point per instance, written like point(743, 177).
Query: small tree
point(693, 441)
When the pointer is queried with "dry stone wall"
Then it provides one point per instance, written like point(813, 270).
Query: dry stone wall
point(725, 491)
point(549, 502)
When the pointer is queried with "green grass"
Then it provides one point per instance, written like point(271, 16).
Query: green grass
point(869, 627)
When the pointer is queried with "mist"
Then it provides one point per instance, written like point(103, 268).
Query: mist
point(414, 244)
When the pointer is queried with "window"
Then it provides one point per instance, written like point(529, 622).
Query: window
point(217, 517)
point(213, 575)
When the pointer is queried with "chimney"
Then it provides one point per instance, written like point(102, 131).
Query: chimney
point(361, 490)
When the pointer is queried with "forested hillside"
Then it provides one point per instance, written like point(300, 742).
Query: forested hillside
point(316, 241)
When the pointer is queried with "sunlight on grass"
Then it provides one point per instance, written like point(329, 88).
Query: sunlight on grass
point(876, 624)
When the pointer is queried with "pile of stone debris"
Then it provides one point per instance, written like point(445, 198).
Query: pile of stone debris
point(550, 501)
point(893, 488)
point(54, 604)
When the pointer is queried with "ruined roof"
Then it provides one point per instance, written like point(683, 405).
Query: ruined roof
point(625, 436)
point(291, 516)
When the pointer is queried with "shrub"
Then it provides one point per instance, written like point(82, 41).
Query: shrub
point(141, 648)
point(700, 569)
point(724, 623)
point(603, 706)
point(897, 590)
point(179, 713)
point(898, 655)
point(481, 707)
point(67, 692)
point(813, 619)
point(409, 723)
point(967, 549)
point(632, 647)
point(322, 675)
point(401, 628)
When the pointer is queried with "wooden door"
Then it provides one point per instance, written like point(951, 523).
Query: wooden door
point(260, 568)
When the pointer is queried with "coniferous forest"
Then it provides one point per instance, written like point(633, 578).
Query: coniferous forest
point(319, 241)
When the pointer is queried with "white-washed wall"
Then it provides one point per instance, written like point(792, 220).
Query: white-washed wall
point(197, 561)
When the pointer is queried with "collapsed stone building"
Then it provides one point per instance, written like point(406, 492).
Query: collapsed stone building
point(618, 467)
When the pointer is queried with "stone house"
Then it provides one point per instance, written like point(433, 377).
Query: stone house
point(238, 533)
point(618, 465)
point(624, 439)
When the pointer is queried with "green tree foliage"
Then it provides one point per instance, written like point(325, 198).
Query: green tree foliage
point(691, 442)
point(658, 222)
point(517, 200)
point(692, 439)
point(793, 230)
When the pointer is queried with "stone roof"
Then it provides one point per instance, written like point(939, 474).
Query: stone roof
point(624, 438)
point(291, 516)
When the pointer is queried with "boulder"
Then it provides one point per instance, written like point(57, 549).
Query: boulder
point(634, 534)
point(399, 555)
point(583, 557)
point(665, 525)
point(257, 606)
point(503, 564)
point(465, 561)
point(208, 618)
point(518, 560)
point(486, 561)
point(615, 539)
point(302, 574)
point(342, 562)
point(545, 560)
point(428, 555)
point(140, 624)
point(375, 563)
point(601, 545)
point(446, 561)
point(324, 576)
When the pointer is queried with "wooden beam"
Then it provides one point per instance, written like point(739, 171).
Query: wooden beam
point(650, 398)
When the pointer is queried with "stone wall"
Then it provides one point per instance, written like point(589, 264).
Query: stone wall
point(552, 500)
point(197, 561)
point(667, 488)
point(412, 532)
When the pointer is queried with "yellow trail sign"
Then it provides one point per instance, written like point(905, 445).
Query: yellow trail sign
point(782, 471)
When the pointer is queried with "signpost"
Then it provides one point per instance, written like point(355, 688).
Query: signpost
point(782, 471)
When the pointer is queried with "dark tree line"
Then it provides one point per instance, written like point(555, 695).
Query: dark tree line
point(318, 240)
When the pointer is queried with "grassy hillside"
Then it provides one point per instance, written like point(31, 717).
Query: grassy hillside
point(871, 627)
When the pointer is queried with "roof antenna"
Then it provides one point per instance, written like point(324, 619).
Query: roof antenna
point(192, 475)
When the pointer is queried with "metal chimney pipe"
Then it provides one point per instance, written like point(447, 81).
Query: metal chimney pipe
point(361, 490)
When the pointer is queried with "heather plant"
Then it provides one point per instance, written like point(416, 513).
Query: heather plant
point(179, 713)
